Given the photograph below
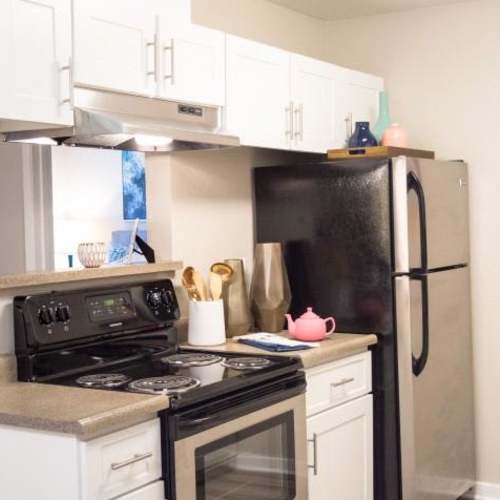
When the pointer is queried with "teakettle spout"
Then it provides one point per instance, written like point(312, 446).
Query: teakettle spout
point(291, 323)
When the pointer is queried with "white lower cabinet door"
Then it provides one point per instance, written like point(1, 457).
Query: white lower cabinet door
point(341, 452)
point(155, 491)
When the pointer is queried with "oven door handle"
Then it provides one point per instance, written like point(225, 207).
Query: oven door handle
point(195, 420)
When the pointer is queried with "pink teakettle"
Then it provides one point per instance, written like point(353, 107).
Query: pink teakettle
point(309, 326)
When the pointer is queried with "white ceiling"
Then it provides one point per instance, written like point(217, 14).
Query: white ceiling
point(344, 9)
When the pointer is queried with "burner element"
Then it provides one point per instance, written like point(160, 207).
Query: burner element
point(184, 360)
point(246, 363)
point(103, 380)
point(170, 384)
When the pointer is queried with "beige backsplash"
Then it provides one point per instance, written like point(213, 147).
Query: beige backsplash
point(8, 368)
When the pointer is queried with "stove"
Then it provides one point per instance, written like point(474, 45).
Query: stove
point(124, 339)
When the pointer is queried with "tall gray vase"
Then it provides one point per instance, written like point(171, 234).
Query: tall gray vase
point(270, 294)
point(236, 303)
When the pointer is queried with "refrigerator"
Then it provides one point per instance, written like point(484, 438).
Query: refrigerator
point(383, 246)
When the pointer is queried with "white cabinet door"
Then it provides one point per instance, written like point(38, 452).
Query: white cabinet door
point(192, 61)
point(341, 452)
point(357, 101)
point(258, 94)
point(35, 36)
point(115, 45)
point(313, 95)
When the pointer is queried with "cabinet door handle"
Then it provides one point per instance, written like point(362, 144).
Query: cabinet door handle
point(289, 113)
point(69, 69)
point(314, 442)
point(299, 128)
point(344, 381)
point(348, 127)
point(130, 461)
point(171, 49)
point(151, 70)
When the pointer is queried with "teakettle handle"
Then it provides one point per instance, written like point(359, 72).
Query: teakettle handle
point(332, 329)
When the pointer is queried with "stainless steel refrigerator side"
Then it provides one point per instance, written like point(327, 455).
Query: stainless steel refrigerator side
point(400, 215)
point(443, 399)
point(405, 387)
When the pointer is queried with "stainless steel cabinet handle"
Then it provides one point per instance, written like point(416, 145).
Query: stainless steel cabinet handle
point(169, 48)
point(69, 69)
point(289, 113)
point(348, 127)
point(299, 120)
point(151, 70)
point(344, 381)
point(130, 461)
point(314, 442)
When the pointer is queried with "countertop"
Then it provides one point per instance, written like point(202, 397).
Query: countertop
point(12, 281)
point(70, 410)
point(337, 346)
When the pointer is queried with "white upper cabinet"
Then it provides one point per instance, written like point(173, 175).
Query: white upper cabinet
point(115, 45)
point(313, 96)
point(356, 101)
point(258, 94)
point(35, 67)
point(191, 60)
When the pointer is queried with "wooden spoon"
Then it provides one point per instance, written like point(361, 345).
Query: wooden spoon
point(225, 271)
point(215, 284)
point(189, 284)
point(199, 283)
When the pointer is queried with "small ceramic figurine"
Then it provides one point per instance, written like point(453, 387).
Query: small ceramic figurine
point(309, 326)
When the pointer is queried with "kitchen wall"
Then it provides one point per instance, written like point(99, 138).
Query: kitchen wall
point(200, 204)
point(442, 70)
point(264, 22)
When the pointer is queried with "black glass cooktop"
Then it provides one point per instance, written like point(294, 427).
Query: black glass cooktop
point(185, 376)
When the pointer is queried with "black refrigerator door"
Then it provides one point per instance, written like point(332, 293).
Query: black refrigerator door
point(334, 220)
point(335, 223)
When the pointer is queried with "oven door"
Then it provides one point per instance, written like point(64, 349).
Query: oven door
point(258, 451)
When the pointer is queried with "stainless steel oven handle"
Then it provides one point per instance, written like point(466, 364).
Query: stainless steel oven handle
point(314, 442)
point(130, 461)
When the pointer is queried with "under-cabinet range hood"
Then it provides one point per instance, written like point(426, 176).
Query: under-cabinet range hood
point(120, 121)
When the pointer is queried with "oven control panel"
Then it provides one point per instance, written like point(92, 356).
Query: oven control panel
point(80, 314)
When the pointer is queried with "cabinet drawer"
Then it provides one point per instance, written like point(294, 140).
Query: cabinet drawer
point(334, 383)
point(121, 462)
point(155, 491)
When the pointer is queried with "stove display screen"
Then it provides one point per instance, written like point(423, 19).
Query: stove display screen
point(110, 307)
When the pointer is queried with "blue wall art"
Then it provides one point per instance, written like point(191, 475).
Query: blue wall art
point(134, 185)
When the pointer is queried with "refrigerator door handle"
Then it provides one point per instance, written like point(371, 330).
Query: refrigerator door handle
point(418, 363)
point(415, 185)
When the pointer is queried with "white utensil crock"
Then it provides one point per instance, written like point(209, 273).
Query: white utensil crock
point(206, 323)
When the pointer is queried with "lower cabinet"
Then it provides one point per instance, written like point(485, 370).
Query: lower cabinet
point(340, 429)
point(124, 465)
point(341, 452)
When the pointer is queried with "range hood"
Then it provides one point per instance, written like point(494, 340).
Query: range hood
point(122, 121)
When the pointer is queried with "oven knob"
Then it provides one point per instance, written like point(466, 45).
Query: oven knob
point(166, 297)
point(63, 314)
point(154, 299)
point(46, 316)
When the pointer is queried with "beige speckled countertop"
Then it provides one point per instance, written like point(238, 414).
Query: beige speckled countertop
point(70, 410)
point(337, 346)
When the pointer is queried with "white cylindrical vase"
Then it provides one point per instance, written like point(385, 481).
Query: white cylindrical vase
point(206, 323)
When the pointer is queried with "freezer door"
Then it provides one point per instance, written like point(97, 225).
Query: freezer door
point(431, 212)
point(441, 420)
